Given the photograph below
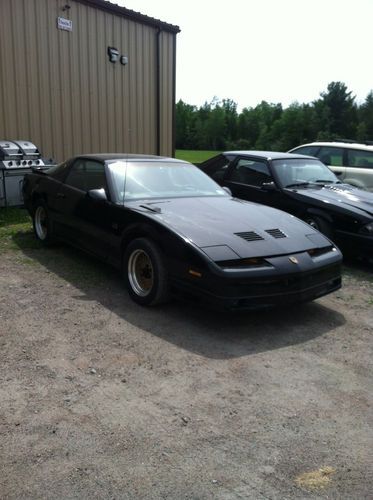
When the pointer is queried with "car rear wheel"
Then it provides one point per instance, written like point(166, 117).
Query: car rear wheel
point(42, 224)
point(145, 273)
point(321, 225)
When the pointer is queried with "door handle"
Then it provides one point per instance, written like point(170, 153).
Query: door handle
point(61, 195)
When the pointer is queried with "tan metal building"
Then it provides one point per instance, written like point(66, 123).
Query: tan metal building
point(60, 89)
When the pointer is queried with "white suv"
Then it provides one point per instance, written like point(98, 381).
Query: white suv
point(351, 162)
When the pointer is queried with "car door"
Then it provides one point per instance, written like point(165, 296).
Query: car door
point(83, 220)
point(334, 158)
point(250, 179)
point(359, 171)
point(218, 166)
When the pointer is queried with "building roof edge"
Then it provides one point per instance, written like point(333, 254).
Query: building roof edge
point(131, 14)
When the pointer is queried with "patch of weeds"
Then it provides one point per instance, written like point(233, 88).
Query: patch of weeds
point(16, 233)
point(16, 230)
point(28, 261)
point(357, 273)
point(315, 480)
point(13, 216)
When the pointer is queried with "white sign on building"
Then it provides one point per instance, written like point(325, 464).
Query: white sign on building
point(64, 24)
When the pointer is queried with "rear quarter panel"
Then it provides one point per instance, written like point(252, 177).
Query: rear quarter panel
point(39, 186)
point(361, 177)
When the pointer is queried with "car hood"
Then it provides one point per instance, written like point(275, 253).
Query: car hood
point(212, 224)
point(341, 195)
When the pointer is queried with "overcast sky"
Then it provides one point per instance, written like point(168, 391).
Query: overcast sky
point(273, 50)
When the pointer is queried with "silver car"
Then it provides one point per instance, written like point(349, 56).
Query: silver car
point(351, 162)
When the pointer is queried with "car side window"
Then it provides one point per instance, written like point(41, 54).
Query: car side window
point(94, 175)
point(251, 172)
point(331, 156)
point(359, 159)
point(86, 175)
point(218, 167)
point(75, 177)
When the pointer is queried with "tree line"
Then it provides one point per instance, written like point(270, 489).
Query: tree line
point(218, 126)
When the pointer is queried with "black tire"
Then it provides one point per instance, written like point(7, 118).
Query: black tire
point(145, 273)
point(42, 224)
point(321, 225)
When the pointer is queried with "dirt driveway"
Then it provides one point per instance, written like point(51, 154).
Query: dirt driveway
point(103, 399)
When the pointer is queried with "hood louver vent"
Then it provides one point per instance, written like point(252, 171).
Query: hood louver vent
point(249, 236)
point(276, 233)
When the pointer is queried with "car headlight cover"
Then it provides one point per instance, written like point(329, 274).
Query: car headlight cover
point(367, 229)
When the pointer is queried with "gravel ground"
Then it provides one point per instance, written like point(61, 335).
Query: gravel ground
point(101, 398)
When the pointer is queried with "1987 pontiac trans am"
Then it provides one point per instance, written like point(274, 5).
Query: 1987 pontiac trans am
point(171, 229)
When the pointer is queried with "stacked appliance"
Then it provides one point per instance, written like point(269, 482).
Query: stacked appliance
point(16, 159)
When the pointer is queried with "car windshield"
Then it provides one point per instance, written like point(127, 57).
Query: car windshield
point(155, 179)
point(298, 172)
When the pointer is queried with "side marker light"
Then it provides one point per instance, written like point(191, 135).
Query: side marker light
point(195, 273)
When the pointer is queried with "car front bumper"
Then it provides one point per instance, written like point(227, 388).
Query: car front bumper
point(285, 285)
point(354, 243)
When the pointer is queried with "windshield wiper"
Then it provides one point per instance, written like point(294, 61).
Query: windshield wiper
point(327, 181)
point(157, 210)
point(299, 184)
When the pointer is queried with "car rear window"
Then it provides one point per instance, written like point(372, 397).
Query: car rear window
point(307, 150)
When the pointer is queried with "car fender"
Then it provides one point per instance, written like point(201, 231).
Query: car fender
point(170, 242)
point(354, 182)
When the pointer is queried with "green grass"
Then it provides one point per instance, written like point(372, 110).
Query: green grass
point(16, 230)
point(9, 216)
point(194, 156)
point(16, 233)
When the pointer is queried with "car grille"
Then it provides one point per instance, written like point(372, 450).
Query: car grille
point(289, 283)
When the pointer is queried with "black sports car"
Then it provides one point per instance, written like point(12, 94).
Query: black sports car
point(170, 228)
point(302, 186)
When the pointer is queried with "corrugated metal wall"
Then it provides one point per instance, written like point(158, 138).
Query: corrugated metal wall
point(59, 90)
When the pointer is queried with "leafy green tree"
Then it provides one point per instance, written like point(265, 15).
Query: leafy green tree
point(216, 128)
point(185, 125)
point(248, 127)
point(294, 127)
point(217, 124)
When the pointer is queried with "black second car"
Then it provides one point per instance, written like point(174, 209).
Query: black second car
point(170, 228)
point(302, 186)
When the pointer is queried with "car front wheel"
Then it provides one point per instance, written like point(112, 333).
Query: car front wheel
point(321, 225)
point(145, 272)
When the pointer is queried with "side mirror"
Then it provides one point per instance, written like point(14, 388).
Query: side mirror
point(227, 190)
point(97, 194)
point(269, 186)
